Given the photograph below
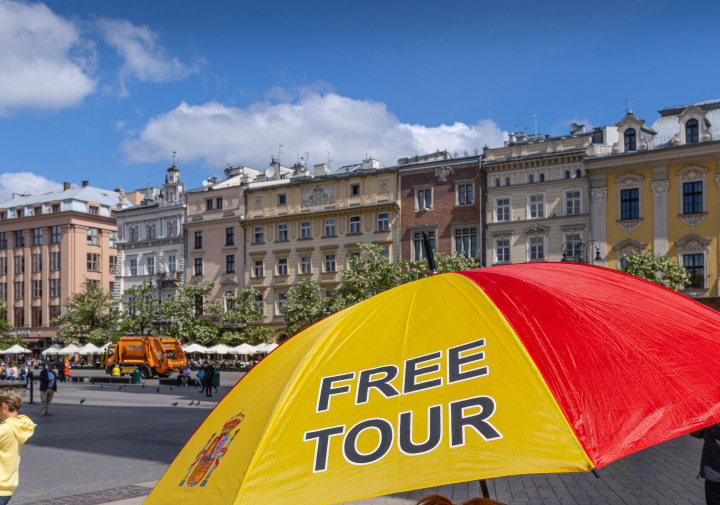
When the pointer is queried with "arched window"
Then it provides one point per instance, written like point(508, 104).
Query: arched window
point(542, 177)
point(691, 131)
point(171, 196)
point(578, 173)
point(567, 174)
point(170, 229)
point(630, 140)
point(497, 182)
point(531, 178)
point(507, 181)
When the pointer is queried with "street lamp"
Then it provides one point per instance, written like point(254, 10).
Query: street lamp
point(161, 279)
point(581, 252)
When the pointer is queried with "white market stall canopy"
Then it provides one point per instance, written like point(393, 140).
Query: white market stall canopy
point(190, 348)
point(243, 349)
point(219, 349)
point(16, 349)
point(89, 348)
point(104, 348)
point(51, 350)
point(71, 349)
point(265, 347)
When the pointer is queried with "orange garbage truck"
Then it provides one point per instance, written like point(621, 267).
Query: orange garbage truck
point(154, 356)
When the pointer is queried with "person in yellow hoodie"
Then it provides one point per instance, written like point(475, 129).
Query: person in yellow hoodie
point(14, 432)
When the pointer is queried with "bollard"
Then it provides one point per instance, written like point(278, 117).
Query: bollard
point(30, 381)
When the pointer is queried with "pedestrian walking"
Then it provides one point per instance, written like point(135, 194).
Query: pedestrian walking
point(48, 388)
point(61, 371)
point(208, 379)
point(67, 369)
point(710, 462)
point(14, 432)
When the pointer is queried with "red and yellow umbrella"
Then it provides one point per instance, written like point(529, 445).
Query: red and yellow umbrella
point(505, 370)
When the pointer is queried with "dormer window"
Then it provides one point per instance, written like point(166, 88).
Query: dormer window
point(55, 208)
point(630, 140)
point(37, 211)
point(94, 211)
point(19, 213)
point(691, 131)
point(3, 216)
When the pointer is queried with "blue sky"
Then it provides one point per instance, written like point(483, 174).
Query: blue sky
point(106, 90)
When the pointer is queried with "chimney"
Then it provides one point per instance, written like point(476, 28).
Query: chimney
point(85, 184)
point(16, 195)
point(319, 169)
point(370, 164)
point(66, 186)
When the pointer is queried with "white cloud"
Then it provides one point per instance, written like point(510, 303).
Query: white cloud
point(216, 134)
point(43, 60)
point(25, 183)
point(145, 60)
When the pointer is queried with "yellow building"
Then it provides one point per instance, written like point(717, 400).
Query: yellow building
point(658, 191)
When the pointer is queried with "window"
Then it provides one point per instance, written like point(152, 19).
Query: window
point(93, 261)
point(3, 240)
point(282, 233)
point(209, 204)
point(19, 290)
point(354, 225)
point(502, 250)
point(567, 174)
point(502, 210)
point(329, 262)
point(383, 221)
point(507, 181)
point(55, 208)
point(355, 190)
point(537, 206)
point(198, 240)
point(198, 301)
point(54, 288)
point(537, 249)
point(219, 203)
point(37, 236)
point(282, 199)
point(466, 242)
point(630, 140)
point(55, 235)
point(497, 182)
point(385, 253)
point(330, 227)
point(37, 289)
point(281, 299)
point(54, 312)
point(111, 286)
point(37, 316)
point(19, 316)
point(113, 264)
point(133, 268)
point(150, 231)
point(37, 262)
point(578, 173)
point(3, 290)
point(133, 233)
point(55, 261)
point(692, 197)
point(573, 246)
point(695, 267)
point(92, 236)
point(465, 193)
point(282, 267)
point(630, 204)
point(258, 235)
point(230, 263)
point(572, 203)
point(20, 238)
point(172, 263)
point(258, 268)
point(3, 216)
point(691, 131)
point(229, 236)
point(113, 239)
point(418, 242)
point(531, 178)
point(3, 270)
point(259, 304)
point(305, 265)
point(94, 211)
point(424, 199)
point(150, 266)
point(19, 213)
point(170, 229)
point(198, 266)
point(305, 229)
point(229, 301)
point(19, 264)
point(542, 177)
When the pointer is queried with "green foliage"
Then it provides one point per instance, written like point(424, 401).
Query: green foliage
point(236, 316)
point(305, 305)
point(140, 311)
point(658, 269)
point(7, 340)
point(185, 307)
point(90, 314)
point(443, 262)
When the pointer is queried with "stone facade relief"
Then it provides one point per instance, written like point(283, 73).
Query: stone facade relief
point(318, 195)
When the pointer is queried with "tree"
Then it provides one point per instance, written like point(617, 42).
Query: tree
point(186, 306)
point(443, 262)
point(658, 269)
point(239, 311)
point(305, 306)
point(90, 314)
point(141, 309)
point(7, 340)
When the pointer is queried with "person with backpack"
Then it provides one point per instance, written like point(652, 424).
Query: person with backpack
point(208, 378)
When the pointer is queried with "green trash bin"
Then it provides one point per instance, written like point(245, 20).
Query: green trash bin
point(136, 376)
point(216, 379)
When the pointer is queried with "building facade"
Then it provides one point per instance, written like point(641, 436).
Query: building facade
point(49, 245)
point(443, 197)
point(657, 190)
point(301, 226)
point(537, 196)
point(151, 242)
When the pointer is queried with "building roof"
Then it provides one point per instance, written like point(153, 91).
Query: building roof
point(85, 194)
point(706, 105)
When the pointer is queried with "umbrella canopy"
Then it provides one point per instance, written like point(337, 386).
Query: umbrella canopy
point(261, 347)
point(219, 349)
point(53, 349)
point(271, 347)
point(104, 348)
point(529, 368)
point(244, 349)
point(194, 348)
point(70, 349)
point(89, 348)
point(16, 349)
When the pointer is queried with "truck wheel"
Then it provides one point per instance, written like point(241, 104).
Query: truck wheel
point(145, 372)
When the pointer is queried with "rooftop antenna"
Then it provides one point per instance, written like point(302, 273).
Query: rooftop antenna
point(280, 146)
point(535, 118)
point(174, 153)
point(627, 109)
point(328, 159)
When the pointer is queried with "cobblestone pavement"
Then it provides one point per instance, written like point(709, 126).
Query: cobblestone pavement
point(99, 451)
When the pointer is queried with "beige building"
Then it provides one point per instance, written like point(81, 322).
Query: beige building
point(213, 235)
point(49, 244)
point(537, 196)
point(301, 226)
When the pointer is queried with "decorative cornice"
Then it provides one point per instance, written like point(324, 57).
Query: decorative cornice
point(629, 224)
point(692, 220)
point(693, 243)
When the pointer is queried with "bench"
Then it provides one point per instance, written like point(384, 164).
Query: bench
point(79, 378)
point(13, 384)
point(110, 380)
